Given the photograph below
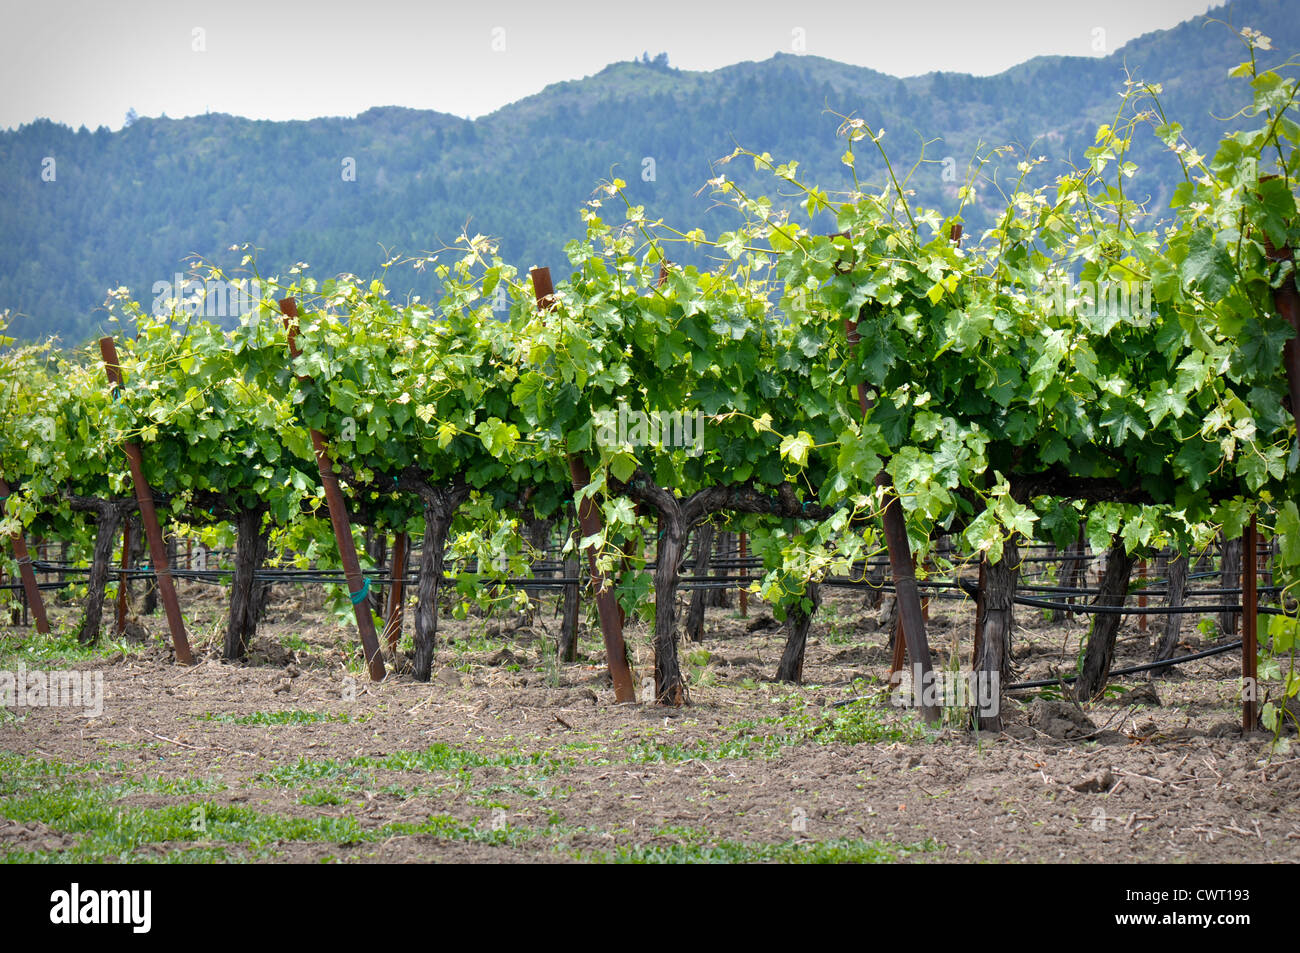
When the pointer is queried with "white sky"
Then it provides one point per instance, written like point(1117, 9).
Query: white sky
point(88, 62)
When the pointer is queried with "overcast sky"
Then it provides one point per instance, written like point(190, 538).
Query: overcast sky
point(88, 62)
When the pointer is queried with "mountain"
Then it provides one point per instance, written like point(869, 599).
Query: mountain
point(129, 207)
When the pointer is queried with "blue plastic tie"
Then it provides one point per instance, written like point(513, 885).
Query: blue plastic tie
point(364, 591)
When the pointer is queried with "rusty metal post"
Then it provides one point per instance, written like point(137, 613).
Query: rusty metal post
point(149, 519)
point(24, 560)
point(1249, 628)
point(906, 592)
point(358, 587)
point(607, 608)
point(121, 579)
point(396, 595)
point(589, 524)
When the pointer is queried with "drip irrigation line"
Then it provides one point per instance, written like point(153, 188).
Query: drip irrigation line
point(1131, 670)
point(941, 588)
point(1088, 609)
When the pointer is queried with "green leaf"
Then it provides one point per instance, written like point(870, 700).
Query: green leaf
point(622, 465)
point(1207, 267)
point(795, 448)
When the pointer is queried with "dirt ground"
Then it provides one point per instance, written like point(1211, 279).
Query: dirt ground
point(507, 757)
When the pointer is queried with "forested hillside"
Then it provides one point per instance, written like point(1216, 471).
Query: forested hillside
point(129, 207)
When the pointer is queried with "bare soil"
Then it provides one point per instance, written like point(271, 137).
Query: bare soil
point(507, 757)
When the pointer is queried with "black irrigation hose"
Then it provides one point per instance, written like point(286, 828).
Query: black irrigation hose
point(690, 582)
point(1065, 591)
point(714, 582)
point(1122, 610)
point(1132, 670)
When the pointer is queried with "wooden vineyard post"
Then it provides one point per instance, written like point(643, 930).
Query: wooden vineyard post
point(24, 560)
point(744, 570)
point(1249, 628)
point(396, 601)
point(149, 519)
point(358, 586)
point(589, 524)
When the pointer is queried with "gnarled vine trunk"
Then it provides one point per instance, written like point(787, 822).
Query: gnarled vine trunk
point(138, 556)
point(676, 517)
point(439, 508)
point(799, 620)
point(670, 688)
point(1176, 573)
point(1230, 578)
point(151, 585)
point(538, 532)
point(1072, 569)
point(436, 525)
point(108, 520)
point(993, 664)
point(695, 615)
point(377, 550)
point(720, 596)
point(251, 538)
point(1101, 638)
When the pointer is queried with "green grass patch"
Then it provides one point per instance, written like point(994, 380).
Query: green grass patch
point(870, 720)
point(866, 721)
point(61, 645)
point(351, 777)
point(442, 757)
point(295, 643)
point(306, 772)
point(69, 800)
point(694, 846)
point(295, 717)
